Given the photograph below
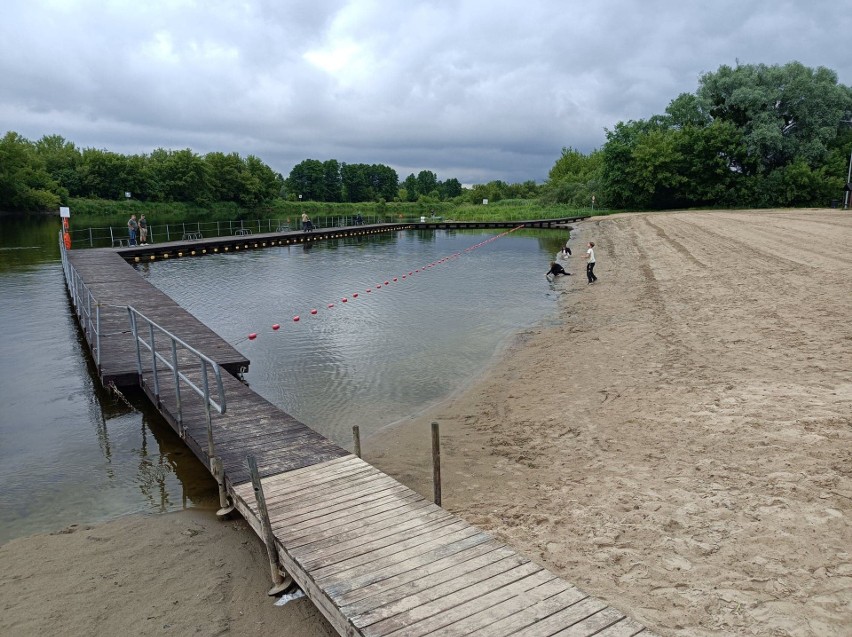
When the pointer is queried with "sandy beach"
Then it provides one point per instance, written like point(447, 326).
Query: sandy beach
point(678, 443)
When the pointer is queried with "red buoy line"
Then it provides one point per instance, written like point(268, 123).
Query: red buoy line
point(387, 282)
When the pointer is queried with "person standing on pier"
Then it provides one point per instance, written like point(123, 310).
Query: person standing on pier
point(143, 230)
point(131, 229)
point(307, 226)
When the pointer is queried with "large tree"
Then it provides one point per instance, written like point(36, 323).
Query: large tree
point(753, 135)
point(25, 184)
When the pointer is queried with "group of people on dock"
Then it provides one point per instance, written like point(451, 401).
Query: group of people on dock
point(556, 268)
point(138, 230)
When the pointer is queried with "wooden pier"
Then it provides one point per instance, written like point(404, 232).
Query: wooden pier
point(375, 557)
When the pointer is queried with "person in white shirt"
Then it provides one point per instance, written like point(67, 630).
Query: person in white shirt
point(590, 266)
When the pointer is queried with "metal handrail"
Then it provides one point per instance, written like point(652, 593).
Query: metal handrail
point(83, 300)
point(139, 325)
point(206, 363)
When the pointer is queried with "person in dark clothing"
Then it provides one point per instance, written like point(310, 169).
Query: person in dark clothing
point(555, 269)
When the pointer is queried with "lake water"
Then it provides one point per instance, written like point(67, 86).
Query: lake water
point(72, 453)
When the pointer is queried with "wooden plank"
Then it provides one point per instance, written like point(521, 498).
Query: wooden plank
point(315, 476)
point(285, 519)
point(529, 615)
point(625, 628)
point(563, 619)
point(426, 590)
point(362, 483)
point(592, 625)
point(367, 527)
point(360, 538)
point(342, 519)
point(377, 583)
point(386, 545)
point(432, 616)
point(430, 550)
point(492, 613)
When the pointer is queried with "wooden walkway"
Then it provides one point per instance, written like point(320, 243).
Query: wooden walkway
point(374, 556)
point(115, 284)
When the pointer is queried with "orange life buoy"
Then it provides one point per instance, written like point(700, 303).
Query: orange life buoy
point(67, 239)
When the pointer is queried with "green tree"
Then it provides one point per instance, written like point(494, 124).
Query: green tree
point(410, 187)
point(306, 179)
point(356, 182)
point(227, 176)
point(786, 113)
point(102, 174)
point(62, 160)
point(451, 188)
point(332, 183)
point(25, 184)
point(427, 181)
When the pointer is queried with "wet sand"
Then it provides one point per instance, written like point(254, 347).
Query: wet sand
point(678, 444)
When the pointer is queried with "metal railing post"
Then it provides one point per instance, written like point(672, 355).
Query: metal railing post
point(177, 388)
point(216, 467)
point(98, 334)
point(154, 363)
point(135, 329)
point(91, 242)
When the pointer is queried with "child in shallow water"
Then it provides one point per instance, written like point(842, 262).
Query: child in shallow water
point(555, 269)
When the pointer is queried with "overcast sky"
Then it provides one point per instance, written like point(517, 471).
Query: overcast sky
point(472, 89)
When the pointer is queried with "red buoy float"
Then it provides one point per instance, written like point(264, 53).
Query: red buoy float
point(252, 336)
point(355, 296)
point(295, 319)
point(276, 327)
point(313, 311)
point(344, 300)
point(331, 305)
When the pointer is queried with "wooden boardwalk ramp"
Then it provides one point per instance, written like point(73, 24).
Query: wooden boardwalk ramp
point(374, 556)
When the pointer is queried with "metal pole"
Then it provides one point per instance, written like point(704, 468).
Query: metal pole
point(216, 467)
point(168, 237)
point(280, 583)
point(177, 388)
point(98, 333)
point(847, 194)
point(111, 237)
point(154, 363)
point(356, 434)
point(436, 462)
point(91, 242)
point(135, 330)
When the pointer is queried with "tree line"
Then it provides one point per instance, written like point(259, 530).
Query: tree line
point(750, 136)
point(42, 174)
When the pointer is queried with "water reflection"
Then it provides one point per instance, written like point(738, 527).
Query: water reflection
point(69, 451)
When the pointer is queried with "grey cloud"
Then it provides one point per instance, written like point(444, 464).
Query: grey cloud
point(469, 89)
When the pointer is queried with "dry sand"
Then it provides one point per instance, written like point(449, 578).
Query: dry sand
point(679, 444)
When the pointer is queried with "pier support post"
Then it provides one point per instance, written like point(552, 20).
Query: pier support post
point(436, 462)
point(356, 434)
point(280, 582)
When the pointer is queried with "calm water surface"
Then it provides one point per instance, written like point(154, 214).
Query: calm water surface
point(72, 453)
